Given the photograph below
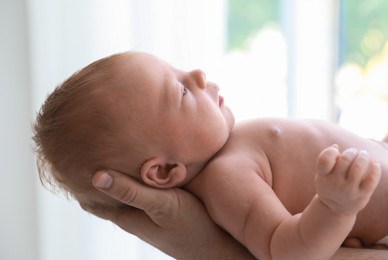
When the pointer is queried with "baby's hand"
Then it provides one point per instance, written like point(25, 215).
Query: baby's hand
point(346, 181)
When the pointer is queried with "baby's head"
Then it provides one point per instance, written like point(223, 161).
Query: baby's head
point(132, 113)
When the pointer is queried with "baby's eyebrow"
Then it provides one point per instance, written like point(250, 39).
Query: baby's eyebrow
point(166, 90)
point(165, 78)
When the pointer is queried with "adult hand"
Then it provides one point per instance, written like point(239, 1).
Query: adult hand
point(172, 220)
point(360, 254)
point(177, 223)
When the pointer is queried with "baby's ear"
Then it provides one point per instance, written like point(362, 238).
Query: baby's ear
point(159, 174)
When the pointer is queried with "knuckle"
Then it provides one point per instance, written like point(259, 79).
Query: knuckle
point(159, 214)
point(360, 165)
point(165, 210)
point(128, 195)
point(349, 155)
point(346, 159)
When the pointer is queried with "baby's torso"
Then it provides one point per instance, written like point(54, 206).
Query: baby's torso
point(284, 153)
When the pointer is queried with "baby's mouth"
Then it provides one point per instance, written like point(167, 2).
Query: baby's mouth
point(220, 100)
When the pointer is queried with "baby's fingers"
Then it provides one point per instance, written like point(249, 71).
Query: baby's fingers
point(372, 179)
point(327, 160)
point(359, 168)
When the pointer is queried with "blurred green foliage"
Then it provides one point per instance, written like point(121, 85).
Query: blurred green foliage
point(365, 25)
point(365, 29)
point(246, 17)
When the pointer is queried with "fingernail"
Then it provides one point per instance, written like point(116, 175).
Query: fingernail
point(351, 152)
point(105, 181)
point(376, 163)
point(334, 147)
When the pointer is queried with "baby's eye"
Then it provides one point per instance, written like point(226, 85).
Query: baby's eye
point(184, 90)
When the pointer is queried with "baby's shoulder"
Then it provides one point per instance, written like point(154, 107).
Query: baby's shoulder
point(265, 132)
point(235, 161)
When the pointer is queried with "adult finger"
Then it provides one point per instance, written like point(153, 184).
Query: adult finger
point(130, 219)
point(128, 191)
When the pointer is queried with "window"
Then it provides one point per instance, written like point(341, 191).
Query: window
point(254, 65)
point(361, 79)
point(246, 19)
point(280, 58)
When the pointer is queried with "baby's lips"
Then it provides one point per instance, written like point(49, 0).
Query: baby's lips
point(220, 100)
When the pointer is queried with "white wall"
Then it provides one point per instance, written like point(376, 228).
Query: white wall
point(312, 47)
point(18, 217)
point(66, 35)
point(44, 41)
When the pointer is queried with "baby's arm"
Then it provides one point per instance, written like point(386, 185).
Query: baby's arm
point(345, 182)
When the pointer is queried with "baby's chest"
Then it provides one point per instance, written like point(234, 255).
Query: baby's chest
point(294, 189)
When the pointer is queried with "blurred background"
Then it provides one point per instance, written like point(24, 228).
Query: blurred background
point(324, 59)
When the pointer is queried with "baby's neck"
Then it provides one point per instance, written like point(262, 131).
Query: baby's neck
point(193, 170)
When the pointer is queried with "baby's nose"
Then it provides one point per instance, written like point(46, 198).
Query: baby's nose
point(199, 77)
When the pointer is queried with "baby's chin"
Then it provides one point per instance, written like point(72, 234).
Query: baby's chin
point(229, 117)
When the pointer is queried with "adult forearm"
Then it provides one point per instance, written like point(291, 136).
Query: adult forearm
point(224, 248)
point(360, 254)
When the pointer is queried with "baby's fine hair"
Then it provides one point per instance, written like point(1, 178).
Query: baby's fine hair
point(75, 132)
